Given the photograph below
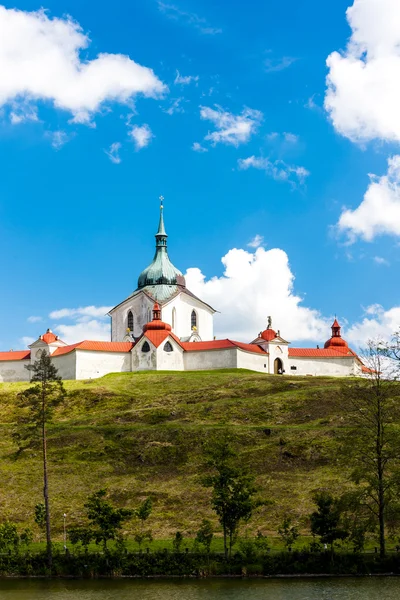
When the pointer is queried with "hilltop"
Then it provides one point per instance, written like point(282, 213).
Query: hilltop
point(141, 434)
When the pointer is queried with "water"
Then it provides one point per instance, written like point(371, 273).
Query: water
point(372, 588)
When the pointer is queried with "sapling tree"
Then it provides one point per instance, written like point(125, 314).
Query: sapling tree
point(372, 440)
point(105, 520)
point(40, 517)
point(288, 532)
point(205, 535)
point(233, 489)
point(36, 406)
point(327, 520)
point(143, 513)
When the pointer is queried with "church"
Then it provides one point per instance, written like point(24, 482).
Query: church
point(163, 326)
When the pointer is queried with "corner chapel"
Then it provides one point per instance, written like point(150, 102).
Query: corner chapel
point(162, 325)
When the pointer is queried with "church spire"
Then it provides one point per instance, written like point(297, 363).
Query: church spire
point(161, 235)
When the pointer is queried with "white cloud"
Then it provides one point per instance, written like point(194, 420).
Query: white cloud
point(58, 138)
point(273, 65)
point(277, 169)
point(379, 260)
point(363, 83)
point(88, 323)
point(377, 323)
point(253, 286)
point(87, 330)
point(141, 136)
point(230, 128)
point(185, 79)
point(256, 241)
point(83, 311)
point(26, 340)
point(175, 107)
point(40, 59)
point(291, 138)
point(113, 153)
point(379, 212)
point(34, 319)
point(198, 147)
point(176, 14)
point(22, 110)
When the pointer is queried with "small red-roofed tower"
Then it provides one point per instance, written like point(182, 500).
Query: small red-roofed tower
point(336, 340)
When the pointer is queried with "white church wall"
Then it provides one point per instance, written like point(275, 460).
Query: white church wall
point(169, 361)
point(254, 362)
point(66, 365)
point(210, 359)
point(14, 370)
point(339, 367)
point(184, 304)
point(141, 307)
point(143, 361)
point(90, 364)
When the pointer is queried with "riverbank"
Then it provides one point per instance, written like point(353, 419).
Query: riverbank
point(172, 564)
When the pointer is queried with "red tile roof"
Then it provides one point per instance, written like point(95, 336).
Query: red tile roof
point(95, 346)
point(157, 336)
point(49, 337)
point(220, 345)
point(322, 352)
point(17, 355)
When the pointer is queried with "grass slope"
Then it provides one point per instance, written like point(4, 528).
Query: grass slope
point(141, 434)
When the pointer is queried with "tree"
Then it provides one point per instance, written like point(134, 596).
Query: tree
point(9, 538)
point(205, 535)
point(40, 517)
point(372, 442)
point(36, 411)
point(326, 521)
point(288, 532)
point(177, 541)
point(105, 520)
point(143, 513)
point(233, 489)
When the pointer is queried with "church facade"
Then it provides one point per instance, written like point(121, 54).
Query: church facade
point(163, 326)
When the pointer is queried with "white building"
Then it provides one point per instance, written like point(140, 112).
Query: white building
point(163, 326)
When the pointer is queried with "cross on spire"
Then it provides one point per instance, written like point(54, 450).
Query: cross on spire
point(161, 198)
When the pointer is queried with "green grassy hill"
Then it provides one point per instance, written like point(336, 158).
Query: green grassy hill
point(141, 434)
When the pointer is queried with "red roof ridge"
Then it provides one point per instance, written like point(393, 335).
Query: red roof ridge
point(15, 355)
point(95, 345)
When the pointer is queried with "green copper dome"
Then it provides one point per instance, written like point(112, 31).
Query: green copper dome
point(161, 271)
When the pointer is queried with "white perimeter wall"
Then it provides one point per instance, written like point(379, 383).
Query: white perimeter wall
point(66, 365)
point(321, 366)
point(14, 370)
point(90, 365)
point(254, 362)
point(210, 359)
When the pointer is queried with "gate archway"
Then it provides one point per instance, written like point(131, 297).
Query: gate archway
point(278, 366)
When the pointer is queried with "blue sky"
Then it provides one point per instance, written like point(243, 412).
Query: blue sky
point(232, 130)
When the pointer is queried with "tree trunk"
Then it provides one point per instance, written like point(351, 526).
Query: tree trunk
point(225, 544)
point(46, 497)
point(380, 473)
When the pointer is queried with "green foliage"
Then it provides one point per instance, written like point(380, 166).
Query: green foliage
point(9, 538)
point(36, 404)
point(261, 542)
point(288, 532)
point(326, 521)
point(205, 535)
point(80, 535)
point(105, 520)
point(40, 515)
point(177, 541)
point(233, 488)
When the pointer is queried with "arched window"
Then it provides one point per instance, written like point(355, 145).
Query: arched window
point(193, 320)
point(168, 347)
point(146, 347)
point(173, 318)
point(130, 321)
point(149, 315)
